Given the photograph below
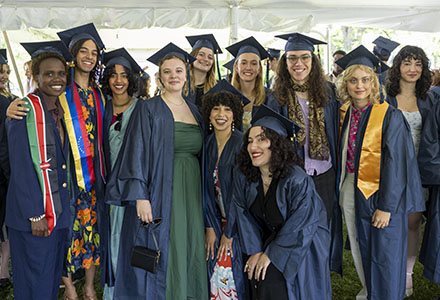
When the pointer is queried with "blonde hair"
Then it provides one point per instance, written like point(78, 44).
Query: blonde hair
point(343, 94)
point(260, 94)
point(210, 77)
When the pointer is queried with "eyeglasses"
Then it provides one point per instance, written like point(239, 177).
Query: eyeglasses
point(294, 59)
point(156, 221)
point(118, 122)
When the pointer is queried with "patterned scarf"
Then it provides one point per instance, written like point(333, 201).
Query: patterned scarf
point(318, 144)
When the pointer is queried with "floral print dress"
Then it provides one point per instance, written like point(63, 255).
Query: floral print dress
point(84, 250)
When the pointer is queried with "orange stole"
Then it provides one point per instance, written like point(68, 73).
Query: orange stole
point(369, 164)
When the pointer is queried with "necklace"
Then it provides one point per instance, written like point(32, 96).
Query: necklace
point(267, 182)
point(171, 102)
point(123, 104)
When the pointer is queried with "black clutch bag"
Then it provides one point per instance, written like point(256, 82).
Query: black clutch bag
point(143, 257)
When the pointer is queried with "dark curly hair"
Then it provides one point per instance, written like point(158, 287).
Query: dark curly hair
point(133, 81)
point(283, 156)
point(319, 88)
point(392, 81)
point(94, 74)
point(224, 98)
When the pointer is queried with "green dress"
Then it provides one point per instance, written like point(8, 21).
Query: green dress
point(186, 270)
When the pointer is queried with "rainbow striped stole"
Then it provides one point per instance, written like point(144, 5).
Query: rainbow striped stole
point(43, 153)
point(78, 136)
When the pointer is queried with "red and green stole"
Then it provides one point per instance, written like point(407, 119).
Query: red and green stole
point(43, 153)
point(78, 136)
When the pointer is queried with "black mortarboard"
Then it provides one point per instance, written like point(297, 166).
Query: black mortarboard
point(299, 42)
point(83, 32)
point(249, 45)
point(204, 40)
point(145, 75)
point(361, 56)
point(224, 85)
point(230, 65)
point(266, 117)
point(384, 46)
point(122, 57)
point(3, 56)
point(273, 52)
point(171, 50)
point(36, 48)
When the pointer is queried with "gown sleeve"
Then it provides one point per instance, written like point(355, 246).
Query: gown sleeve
point(249, 231)
point(130, 177)
point(400, 187)
point(429, 152)
point(304, 210)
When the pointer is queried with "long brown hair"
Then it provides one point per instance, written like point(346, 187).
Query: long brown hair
point(260, 94)
point(210, 77)
point(74, 49)
point(319, 89)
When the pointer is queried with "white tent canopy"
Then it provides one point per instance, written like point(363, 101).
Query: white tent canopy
point(255, 15)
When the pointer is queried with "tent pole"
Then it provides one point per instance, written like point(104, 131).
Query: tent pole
point(329, 47)
point(14, 65)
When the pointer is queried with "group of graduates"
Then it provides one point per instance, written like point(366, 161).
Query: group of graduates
point(241, 187)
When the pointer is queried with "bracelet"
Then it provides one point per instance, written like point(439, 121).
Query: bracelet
point(36, 219)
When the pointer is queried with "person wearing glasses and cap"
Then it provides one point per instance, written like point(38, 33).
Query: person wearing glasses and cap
point(377, 184)
point(407, 87)
point(38, 216)
point(159, 171)
point(202, 71)
point(279, 215)
point(248, 77)
point(223, 113)
point(120, 84)
point(382, 49)
point(306, 98)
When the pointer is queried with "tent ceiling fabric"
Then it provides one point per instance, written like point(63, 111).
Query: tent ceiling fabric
point(256, 15)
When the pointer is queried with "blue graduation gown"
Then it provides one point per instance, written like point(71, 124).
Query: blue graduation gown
point(300, 249)
point(131, 222)
point(429, 166)
point(213, 215)
point(435, 90)
point(144, 170)
point(45, 255)
point(383, 251)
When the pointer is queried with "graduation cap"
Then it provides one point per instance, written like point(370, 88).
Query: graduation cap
point(207, 41)
point(249, 45)
point(361, 56)
point(224, 85)
point(230, 65)
point(204, 40)
point(37, 48)
point(83, 32)
point(145, 75)
point(3, 56)
point(273, 53)
point(269, 118)
point(299, 42)
point(122, 57)
point(171, 50)
point(384, 46)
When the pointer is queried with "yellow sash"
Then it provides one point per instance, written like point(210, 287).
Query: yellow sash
point(369, 164)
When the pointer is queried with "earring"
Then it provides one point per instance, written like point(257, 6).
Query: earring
point(233, 126)
point(210, 126)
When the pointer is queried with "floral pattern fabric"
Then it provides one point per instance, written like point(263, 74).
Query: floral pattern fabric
point(84, 250)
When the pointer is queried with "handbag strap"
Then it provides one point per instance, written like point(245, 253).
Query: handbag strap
point(152, 233)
